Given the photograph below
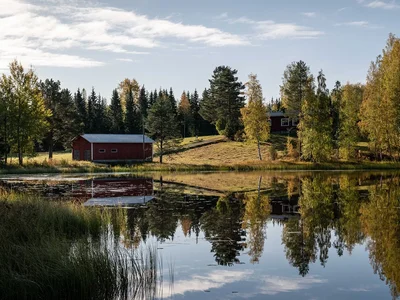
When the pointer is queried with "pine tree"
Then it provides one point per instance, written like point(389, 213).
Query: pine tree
point(316, 123)
point(162, 125)
point(80, 107)
point(223, 105)
point(295, 80)
point(254, 115)
point(116, 113)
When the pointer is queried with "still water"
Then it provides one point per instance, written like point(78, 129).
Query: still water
point(279, 235)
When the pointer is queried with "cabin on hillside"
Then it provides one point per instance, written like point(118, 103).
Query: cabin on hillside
point(280, 123)
point(112, 148)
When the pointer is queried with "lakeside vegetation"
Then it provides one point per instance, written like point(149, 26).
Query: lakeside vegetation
point(53, 250)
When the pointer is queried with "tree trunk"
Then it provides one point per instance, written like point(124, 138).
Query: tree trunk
point(259, 150)
point(161, 151)
point(51, 150)
point(19, 150)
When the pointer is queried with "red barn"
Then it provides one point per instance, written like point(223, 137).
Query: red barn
point(280, 123)
point(112, 148)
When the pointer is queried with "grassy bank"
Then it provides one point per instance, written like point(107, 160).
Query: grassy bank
point(187, 167)
point(58, 251)
point(200, 154)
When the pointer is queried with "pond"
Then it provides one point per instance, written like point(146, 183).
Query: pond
point(280, 235)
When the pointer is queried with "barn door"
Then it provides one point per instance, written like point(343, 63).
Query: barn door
point(87, 155)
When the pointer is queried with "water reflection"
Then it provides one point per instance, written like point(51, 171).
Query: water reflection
point(321, 218)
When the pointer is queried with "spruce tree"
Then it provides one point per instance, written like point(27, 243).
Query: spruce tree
point(80, 107)
point(116, 113)
point(195, 114)
point(91, 103)
point(132, 119)
point(184, 113)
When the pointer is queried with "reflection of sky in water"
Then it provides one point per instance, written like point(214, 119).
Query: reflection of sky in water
point(196, 275)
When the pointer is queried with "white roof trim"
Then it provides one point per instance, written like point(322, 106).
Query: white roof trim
point(117, 138)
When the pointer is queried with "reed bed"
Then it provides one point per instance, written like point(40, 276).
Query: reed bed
point(53, 250)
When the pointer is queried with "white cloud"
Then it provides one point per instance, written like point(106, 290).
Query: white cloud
point(272, 30)
point(383, 5)
point(49, 27)
point(125, 59)
point(214, 279)
point(269, 29)
point(363, 24)
point(309, 14)
point(274, 284)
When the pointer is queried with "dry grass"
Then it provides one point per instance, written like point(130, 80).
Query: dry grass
point(194, 140)
point(225, 153)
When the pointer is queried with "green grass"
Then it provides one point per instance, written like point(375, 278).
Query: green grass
point(52, 250)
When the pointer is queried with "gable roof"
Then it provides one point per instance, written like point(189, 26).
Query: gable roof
point(276, 114)
point(117, 138)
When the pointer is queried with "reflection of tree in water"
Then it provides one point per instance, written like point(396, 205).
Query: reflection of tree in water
point(303, 238)
point(222, 227)
point(348, 226)
point(380, 218)
point(299, 246)
point(162, 215)
point(256, 213)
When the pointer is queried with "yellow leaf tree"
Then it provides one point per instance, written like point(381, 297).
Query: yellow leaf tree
point(254, 115)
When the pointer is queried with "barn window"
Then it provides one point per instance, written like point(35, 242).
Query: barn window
point(102, 150)
point(285, 122)
point(114, 150)
point(295, 122)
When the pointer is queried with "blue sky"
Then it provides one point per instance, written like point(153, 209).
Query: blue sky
point(179, 43)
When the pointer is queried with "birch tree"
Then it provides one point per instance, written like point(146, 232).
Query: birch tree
point(254, 115)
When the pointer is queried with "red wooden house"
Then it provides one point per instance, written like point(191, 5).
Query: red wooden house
point(112, 148)
point(280, 123)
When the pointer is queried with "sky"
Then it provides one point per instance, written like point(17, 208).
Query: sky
point(178, 43)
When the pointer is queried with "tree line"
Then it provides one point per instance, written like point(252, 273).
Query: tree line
point(41, 115)
point(330, 123)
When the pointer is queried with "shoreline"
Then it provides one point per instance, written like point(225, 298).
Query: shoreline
point(156, 167)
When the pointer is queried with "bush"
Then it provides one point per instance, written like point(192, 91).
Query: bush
point(291, 148)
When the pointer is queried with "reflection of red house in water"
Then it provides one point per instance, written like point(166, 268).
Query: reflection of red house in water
point(282, 208)
point(114, 191)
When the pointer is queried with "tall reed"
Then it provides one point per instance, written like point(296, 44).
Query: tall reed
point(53, 250)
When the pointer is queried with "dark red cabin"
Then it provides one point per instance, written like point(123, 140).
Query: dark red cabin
point(280, 123)
point(112, 148)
